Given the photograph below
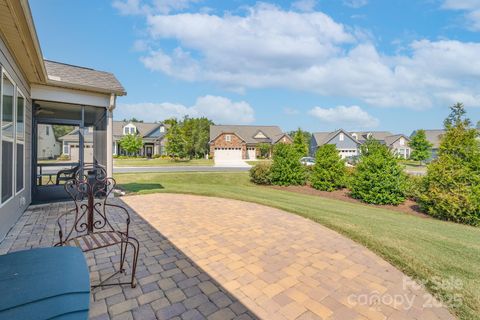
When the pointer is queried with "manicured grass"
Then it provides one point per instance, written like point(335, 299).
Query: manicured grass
point(425, 249)
point(141, 162)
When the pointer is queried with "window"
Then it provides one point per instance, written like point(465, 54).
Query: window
point(7, 136)
point(162, 129)
point(228, 138)
point(402, 141)
point(341, 137)
point(66, 149)
point(129, 129)
point(20, 142)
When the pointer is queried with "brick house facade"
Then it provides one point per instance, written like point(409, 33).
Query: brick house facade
point(232, 143)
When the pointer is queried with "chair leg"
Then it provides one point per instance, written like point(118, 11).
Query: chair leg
point(136, 248)
point(123, 254)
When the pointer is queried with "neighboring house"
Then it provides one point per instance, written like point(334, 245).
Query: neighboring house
point(240, 142)
point(152, 134)
point(34, 91)
point(434, 137)
point(348, 143)
point(48, 147)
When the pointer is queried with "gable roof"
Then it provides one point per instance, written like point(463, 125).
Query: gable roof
point(433, 136)
point(248, 133)
point(143, 128)
point(322, 138)
point(63, 74)
point(377, 135)
point(393, 138)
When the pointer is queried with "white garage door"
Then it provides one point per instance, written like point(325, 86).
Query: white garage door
point(228, 154)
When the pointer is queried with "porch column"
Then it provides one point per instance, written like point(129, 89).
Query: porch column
point(110, 109)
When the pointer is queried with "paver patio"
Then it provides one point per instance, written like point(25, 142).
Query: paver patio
point(215, 258)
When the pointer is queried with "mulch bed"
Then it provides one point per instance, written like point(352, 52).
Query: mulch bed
point(409, 206)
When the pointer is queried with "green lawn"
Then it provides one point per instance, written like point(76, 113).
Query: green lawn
point(255, 162)
point(141, 162)
point(425, 249)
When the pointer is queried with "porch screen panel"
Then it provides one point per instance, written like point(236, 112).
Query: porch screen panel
point(7, 130)
point(20, 143)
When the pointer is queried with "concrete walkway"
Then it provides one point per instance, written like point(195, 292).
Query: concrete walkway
point(282, 266)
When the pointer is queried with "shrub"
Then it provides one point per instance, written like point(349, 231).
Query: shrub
point(329, 172)
point(260, 173)
point(378, 177)
point(286, 167)
point(413, 188)
point(156, 156)
point(451, 188)
point(63, 157)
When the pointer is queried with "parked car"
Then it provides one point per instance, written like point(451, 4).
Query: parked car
point(307, 161)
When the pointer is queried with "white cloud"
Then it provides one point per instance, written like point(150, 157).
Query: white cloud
point(304, 5)
point(355, 3)
point(220, 109)
point(269, 47)
point(343, 116)
point(471, 8)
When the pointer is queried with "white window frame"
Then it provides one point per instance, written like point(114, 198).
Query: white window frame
point(162, 129)
point(65, 144)
point(341, 136)
point(228, 138)
point(4, 72)
point(19, 92)
point(402, 142)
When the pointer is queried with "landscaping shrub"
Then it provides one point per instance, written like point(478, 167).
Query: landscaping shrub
point(413, 188)
point(286, 167)
point(451, 188)
point(378, 177)
point(329, 171)
point(156, 156)
point(260, 173)
point(63, 157)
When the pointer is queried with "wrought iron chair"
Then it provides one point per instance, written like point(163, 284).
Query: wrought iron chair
point(66, 174)
point(87, 226)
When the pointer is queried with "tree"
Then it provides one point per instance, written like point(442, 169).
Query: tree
point(451, 188)
point(307, 135)
point(286, 167)
point(131, 143)
point(300, 144)
point(422, 148)
point(196, 134)
point(378, 177)
point(478, 125)
point(61, 130)
point(133, 119)
point(175, 141)
point(264, 149)
point(329, 172)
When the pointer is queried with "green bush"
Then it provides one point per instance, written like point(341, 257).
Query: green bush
point(413, 188)
point(260, 173)
point(451, 188)
point(286, 167)
point(63, 157)
point(378, 178)
point(156, 156)
point(329, 171)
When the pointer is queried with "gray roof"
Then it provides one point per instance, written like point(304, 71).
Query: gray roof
point(383, 136)
point(87, 78)
point(247, 133)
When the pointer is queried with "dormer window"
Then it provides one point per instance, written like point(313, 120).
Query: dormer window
point(369, 135)
point(162, 129)
point(228, 137)
point(402, 141)
point(355, 136)
point(129, 129)
point(341, 136)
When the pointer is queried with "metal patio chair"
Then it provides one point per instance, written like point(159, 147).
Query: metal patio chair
point(87, 226)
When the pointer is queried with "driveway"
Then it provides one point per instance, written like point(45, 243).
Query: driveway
point(282, 266)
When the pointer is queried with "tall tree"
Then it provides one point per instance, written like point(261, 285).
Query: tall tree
point(175, 142)
point(131, 143)
point(450, 190)
point(422, 148)
point(300, 144)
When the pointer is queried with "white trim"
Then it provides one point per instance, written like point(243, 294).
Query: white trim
point(4, 72)
point(18, 91)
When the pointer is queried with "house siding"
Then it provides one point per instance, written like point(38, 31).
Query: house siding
point(11, 210)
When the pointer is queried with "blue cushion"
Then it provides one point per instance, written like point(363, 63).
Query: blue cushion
point(44, 283)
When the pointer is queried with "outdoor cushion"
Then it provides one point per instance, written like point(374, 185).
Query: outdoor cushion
point(44, 283)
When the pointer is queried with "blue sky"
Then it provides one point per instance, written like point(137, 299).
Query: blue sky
point(357, 64)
